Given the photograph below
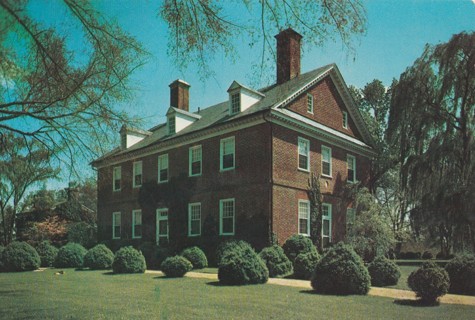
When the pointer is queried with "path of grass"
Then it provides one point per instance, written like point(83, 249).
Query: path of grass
point(98, 295)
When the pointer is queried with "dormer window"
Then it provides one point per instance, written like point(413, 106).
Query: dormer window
point(235, 103)
point(171, 125)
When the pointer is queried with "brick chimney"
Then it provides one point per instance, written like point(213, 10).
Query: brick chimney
point(179, 95)
point(288, 55)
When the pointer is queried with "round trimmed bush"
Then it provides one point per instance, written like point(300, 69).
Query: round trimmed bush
point(296, 245)
point(305, 264)
point(47, 253)
point(241, 265)
point(224, 247)
point(129, 260)
point(196, 256)
point(383, 272)
point(276, 261)
point(70, 255)
point(99, 258)
point(341, 271)
point(461, 270)
point(20, 256)
point(427, 255)
point(429, 282)
point(175, 267)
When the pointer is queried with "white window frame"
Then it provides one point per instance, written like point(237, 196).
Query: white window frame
point(115, 178)
point(191, 219)
point(221, 213)
point(329, 218)
point(307, 142)
point(330, 160)
point(159, 165)
point(300, 216)
point(345, 119)
point(171, 125)
point(134, 214)
point(351, 159)
point(134, 169)
point(235, 103)
point(221, 153)
point(190, 157)
point(160, 217)
point(114, 224)
point(309, 103)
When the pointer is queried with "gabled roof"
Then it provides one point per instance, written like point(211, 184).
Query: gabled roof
point(236, 85)
point(186, 113)
point(275, 97)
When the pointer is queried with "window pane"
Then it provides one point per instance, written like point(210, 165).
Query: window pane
point(303, 224)
point(326, 168)
point(228, 161)
point(235, 103)
point(326, 228)
point(138, 179)
point(163, 227)
point(228, 225)
point(164, 175)
point(227, 217)
point(196, 167)
point(303, 162)
point(309, 103)
point(117, 231)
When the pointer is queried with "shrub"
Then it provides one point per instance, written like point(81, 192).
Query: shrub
point(427, 255)
point(461, 272)
point(129, 260)
point(99, 258)
point(154, 255)
point(305, 264)
point(276, 261)
point(296, 245)
point(240, 265)
point(429, 282)
point(383, 272)
point(176, 266)
point(47, 253)
point(20, 256)
point(196, 256)
point(70, 256)
point(341, 271)
point(224, 247)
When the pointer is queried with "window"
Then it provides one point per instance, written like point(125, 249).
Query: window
point(350, 217)
point(326, 224)
point(117, 176)
point(226, 217)
point(137, 174)
point(163, 168)
point(351, 164)
point(227, 154)
point(309, 103)
point(136, 224)
point(326, 161)
point(194, 219)
point(304, 217)
point(195, 155)
point(304, 154)
point(345, 120)
point(171, 125)
point(162, 227)
point(235, 103)
point(116, 224)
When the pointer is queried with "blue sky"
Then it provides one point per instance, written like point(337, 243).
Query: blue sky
point(396, 34)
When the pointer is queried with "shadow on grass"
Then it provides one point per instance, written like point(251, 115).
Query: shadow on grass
point(416, 303)
point(329, 294)
point(216, 284)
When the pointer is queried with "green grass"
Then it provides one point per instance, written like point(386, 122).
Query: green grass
point(98, 295)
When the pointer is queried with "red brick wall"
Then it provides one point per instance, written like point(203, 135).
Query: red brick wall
point(327, 107)
point(291, 184)
point(248, 183)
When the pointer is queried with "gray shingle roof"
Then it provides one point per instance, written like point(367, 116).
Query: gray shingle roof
point(218, 114)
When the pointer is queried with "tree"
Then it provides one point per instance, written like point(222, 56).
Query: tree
point(432, 123)
point(22, 164)
point(200, 28)
point(315, 197)
point(62, 99)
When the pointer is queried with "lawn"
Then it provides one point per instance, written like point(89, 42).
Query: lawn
point(100, 295)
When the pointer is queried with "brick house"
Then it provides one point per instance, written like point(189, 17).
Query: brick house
point(239, 168)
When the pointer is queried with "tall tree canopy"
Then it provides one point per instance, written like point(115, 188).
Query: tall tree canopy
point(432, 123)
point(61, 88)
point(201, 28)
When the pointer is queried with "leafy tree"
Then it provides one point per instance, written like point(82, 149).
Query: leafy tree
point(432, 123)
point(63, 99)
point(22, 164)
point(200, 29)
